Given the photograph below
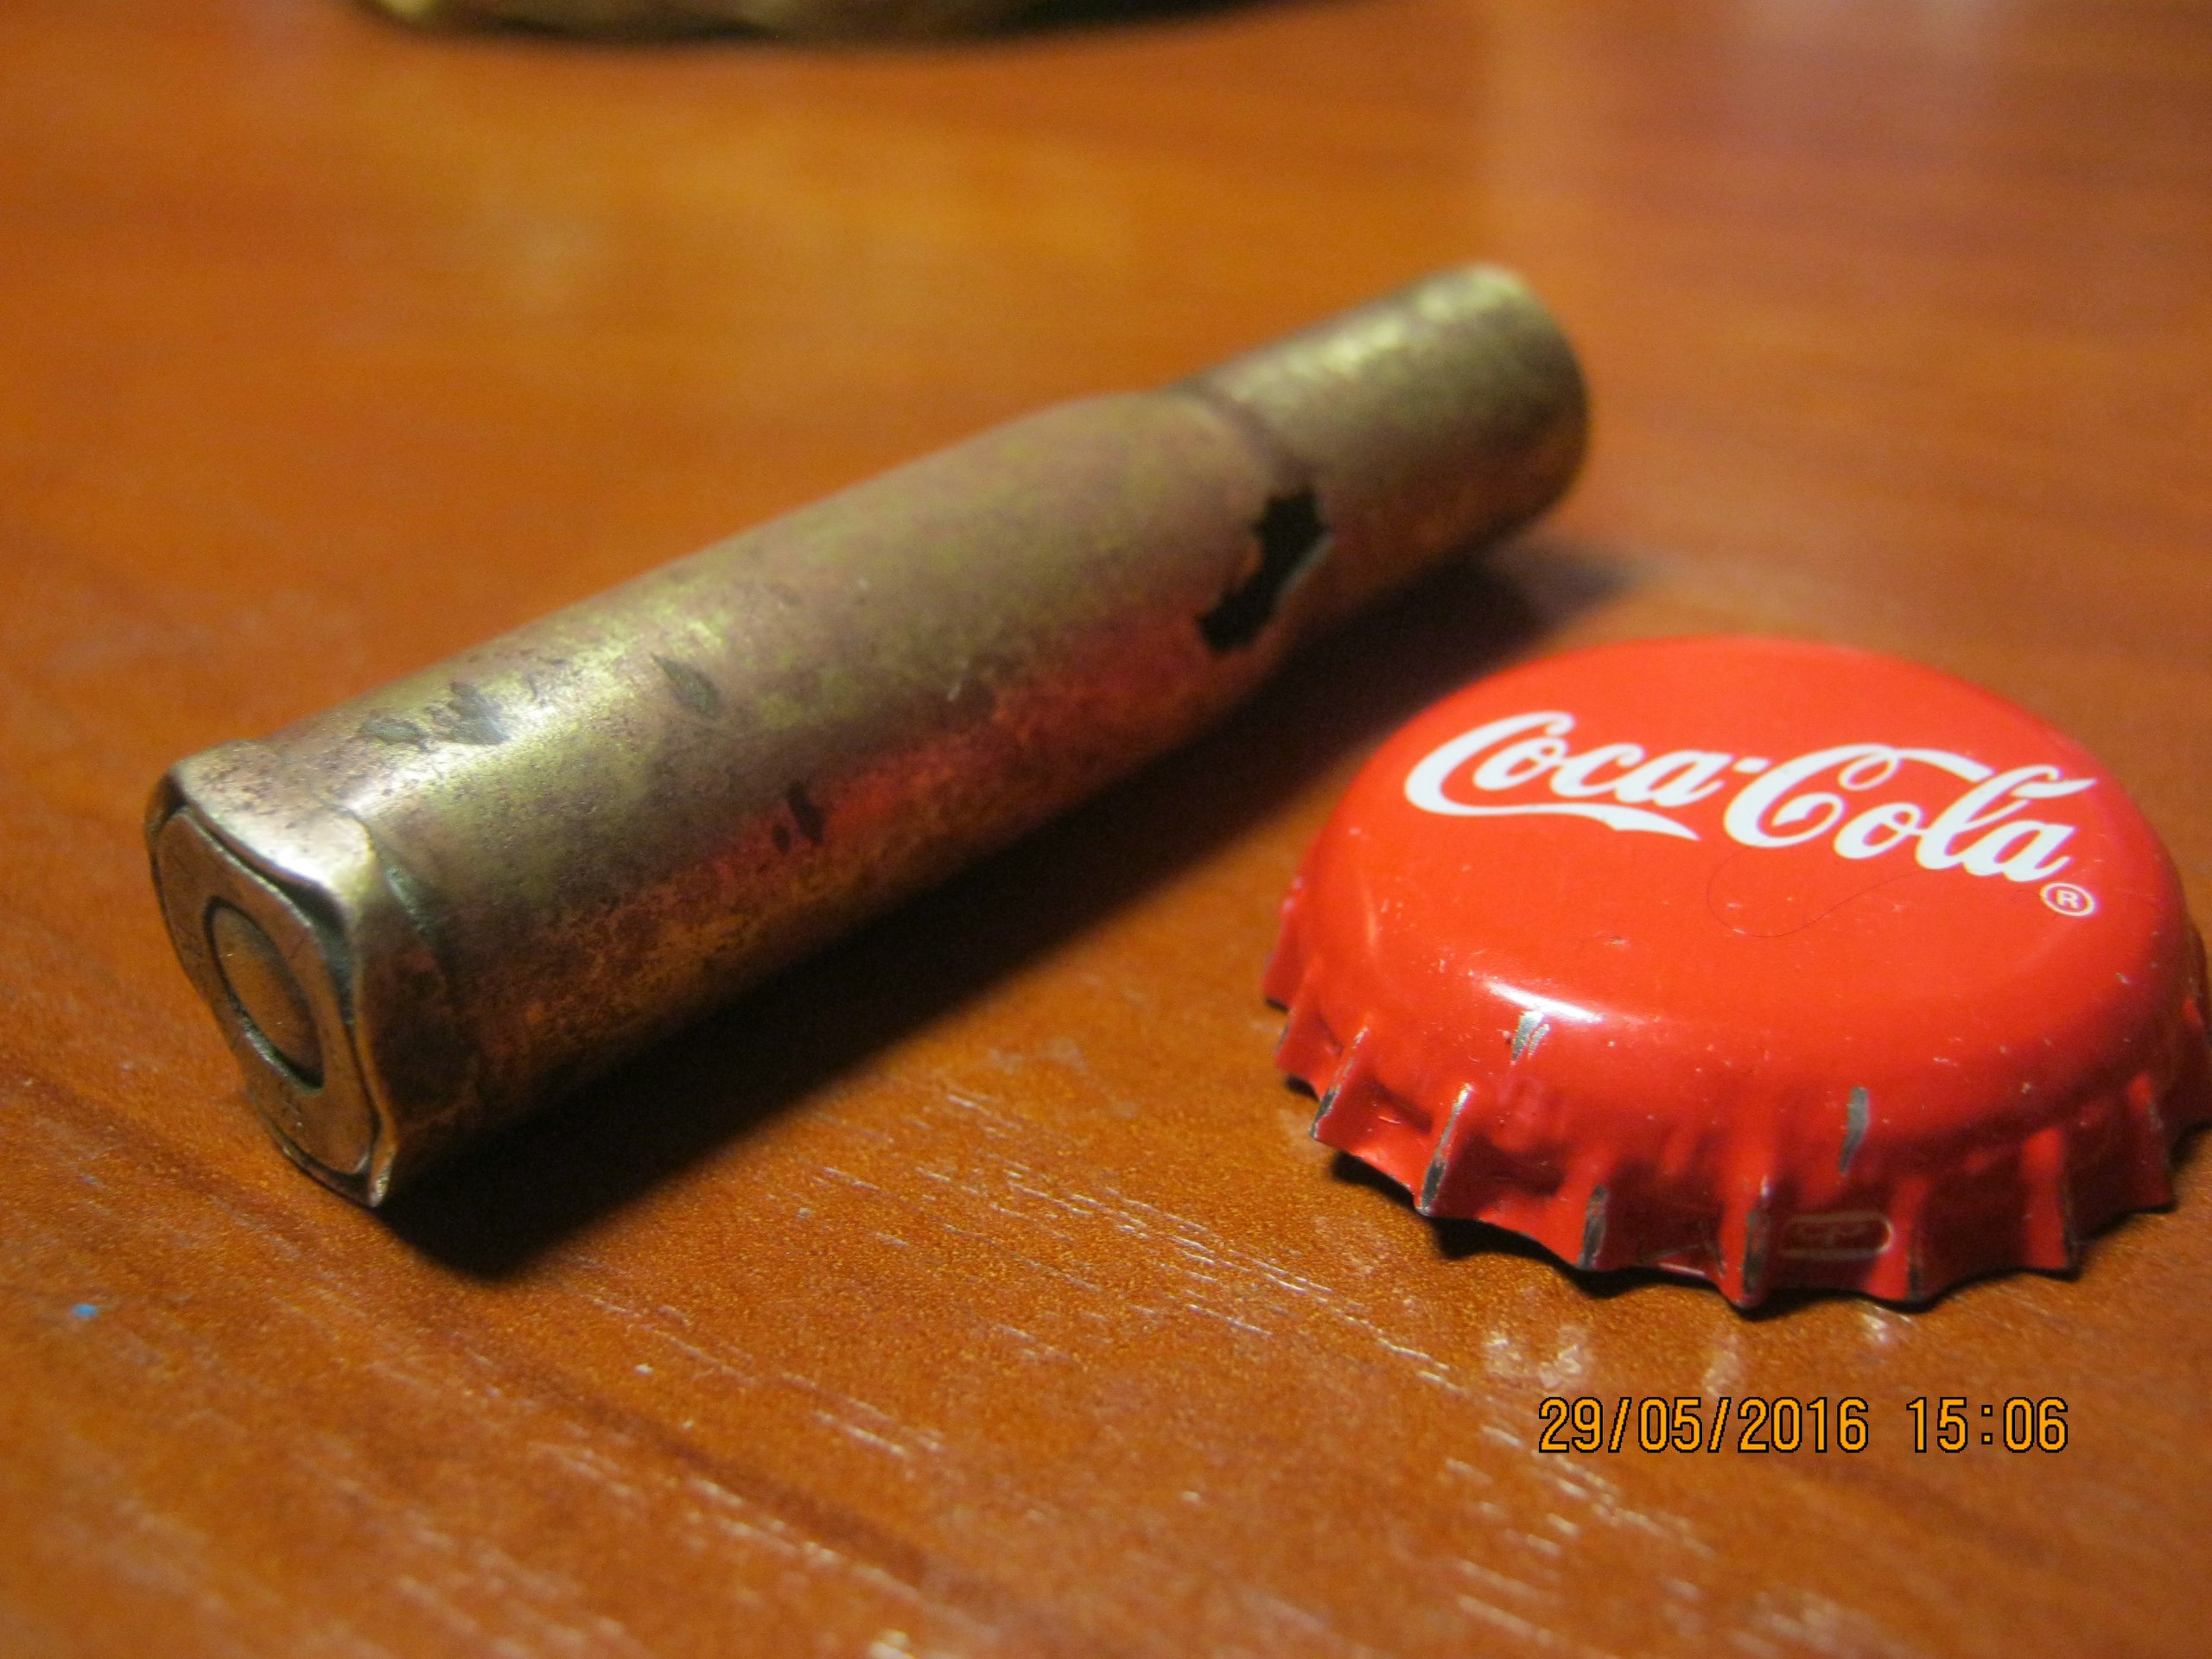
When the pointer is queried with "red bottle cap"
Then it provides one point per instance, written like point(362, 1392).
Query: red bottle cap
point(1770, 962)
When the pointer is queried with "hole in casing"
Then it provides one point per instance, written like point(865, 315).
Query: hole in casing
point(1291, 536)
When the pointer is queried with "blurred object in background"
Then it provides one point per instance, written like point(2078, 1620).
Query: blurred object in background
point(817, 18)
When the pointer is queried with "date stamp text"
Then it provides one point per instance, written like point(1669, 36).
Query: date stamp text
point(1783, 1423)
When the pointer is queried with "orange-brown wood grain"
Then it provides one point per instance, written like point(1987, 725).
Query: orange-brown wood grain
point(973, 1290)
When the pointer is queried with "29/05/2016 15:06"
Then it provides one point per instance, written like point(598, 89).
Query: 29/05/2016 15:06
point(1817, 1424)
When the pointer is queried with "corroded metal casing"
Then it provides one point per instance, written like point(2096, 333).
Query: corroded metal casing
point(427, 910)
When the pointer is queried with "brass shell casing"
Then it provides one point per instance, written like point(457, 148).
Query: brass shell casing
point(425, 911)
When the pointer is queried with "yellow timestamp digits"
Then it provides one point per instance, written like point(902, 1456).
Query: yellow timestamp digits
point(1947, 1423)
point(1688, 1422)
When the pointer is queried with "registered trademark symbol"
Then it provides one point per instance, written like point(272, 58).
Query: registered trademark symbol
point(2068, 899)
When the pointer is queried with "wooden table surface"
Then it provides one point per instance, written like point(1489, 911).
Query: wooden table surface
point(975, 1290)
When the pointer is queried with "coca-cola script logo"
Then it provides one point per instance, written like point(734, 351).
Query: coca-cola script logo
point(1978, 828)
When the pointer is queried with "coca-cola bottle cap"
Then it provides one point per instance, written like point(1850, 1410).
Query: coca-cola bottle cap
point(1765, 961)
